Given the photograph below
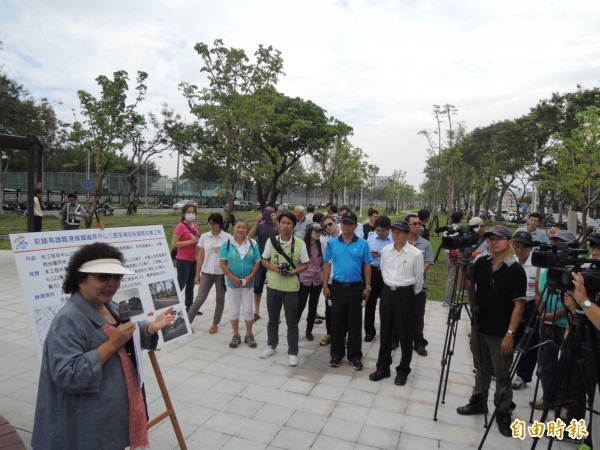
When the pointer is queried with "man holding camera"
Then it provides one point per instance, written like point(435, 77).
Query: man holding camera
point(284, 257)
point(499, 284)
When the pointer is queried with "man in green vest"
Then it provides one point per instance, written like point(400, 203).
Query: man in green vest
point(284, 257)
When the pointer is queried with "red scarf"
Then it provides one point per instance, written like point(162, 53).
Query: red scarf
point(138, 423)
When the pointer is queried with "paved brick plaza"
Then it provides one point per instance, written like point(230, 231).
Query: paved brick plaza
point(230, 399)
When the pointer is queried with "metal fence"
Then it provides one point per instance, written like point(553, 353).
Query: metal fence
point(116, 187)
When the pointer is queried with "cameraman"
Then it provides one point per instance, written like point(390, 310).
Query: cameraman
point(500, 284)
point(522, 245)
point(451, 256)
point(580, 297)
point(553, 321)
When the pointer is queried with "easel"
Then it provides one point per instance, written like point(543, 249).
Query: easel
point(170, 411)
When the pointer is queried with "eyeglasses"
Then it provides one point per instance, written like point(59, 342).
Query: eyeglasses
point(106, 277)
point(416, 224)
point(330, 224)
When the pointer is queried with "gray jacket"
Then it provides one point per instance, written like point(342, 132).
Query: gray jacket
point(82, 404)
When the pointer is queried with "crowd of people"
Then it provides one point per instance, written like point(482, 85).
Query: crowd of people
point(301, 258)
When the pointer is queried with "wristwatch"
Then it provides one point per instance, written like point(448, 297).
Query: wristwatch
point(587, 304)
point(368, 288)
point(511, 332)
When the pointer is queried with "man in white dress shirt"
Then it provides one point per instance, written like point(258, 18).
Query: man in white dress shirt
point(402, 272)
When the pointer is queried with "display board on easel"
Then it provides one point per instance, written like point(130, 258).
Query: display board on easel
point(42, 258)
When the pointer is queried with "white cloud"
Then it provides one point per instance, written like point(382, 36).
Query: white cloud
point(377, 65)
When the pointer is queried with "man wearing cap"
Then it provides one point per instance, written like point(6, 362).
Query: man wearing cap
point(359, 228)
point(414, 229)
point(500, 286)
point(351, 258)
point(522, 245)
point(532, 226)
point(402, 272)
point(381, 239)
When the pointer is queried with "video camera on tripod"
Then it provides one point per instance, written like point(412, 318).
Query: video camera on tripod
point(459, 238)
point(561, 261)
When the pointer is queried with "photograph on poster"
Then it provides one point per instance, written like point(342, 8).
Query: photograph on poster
point(164, 294)
point(134, 300)
point(42, 259)
point(177, 328)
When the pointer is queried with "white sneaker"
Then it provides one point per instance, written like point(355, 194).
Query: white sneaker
point(293, 360)
point(518, 383)
point(267, 353)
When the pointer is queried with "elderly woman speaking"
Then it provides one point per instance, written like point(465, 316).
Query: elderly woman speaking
point(89, 395)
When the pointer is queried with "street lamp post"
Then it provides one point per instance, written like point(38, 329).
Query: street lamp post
point(146, 190)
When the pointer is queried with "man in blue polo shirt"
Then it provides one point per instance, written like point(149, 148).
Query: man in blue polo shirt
point(350, 256)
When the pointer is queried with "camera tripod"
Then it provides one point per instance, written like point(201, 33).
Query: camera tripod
point(455, 307)
point(571, 356)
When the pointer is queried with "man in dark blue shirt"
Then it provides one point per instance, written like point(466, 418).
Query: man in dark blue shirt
point(350, 256)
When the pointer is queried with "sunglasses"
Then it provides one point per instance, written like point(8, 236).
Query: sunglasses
point(330, 224)
point(106, 277)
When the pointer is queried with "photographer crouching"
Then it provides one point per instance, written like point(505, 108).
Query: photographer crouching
point(499, 284)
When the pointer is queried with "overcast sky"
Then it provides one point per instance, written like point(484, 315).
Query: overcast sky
point(378, 66)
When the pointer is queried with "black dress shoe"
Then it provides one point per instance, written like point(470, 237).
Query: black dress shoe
point(400, 379)
point(475, 406)
point(309, 336)
point(420, 350)
point(503, 420)
point(368, 338)
point(379, 375)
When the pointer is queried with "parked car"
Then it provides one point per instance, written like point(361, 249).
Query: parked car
point(592, 224)
point(182, 203)
point(243, 205)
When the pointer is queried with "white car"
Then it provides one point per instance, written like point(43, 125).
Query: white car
point(182, 203)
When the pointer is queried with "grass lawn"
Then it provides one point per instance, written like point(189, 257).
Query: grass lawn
point(11, 223)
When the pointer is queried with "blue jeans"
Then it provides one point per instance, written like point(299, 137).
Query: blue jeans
point(186, 272)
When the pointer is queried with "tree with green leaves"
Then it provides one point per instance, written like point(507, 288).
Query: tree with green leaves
point(579, 159)
point(22, 114)
point(150, 138)
point(228, 112)
point(444, 143)
point(293, 128)
point(102, 132)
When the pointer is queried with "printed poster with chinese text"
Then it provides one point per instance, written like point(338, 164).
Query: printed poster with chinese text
point(41, 260)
